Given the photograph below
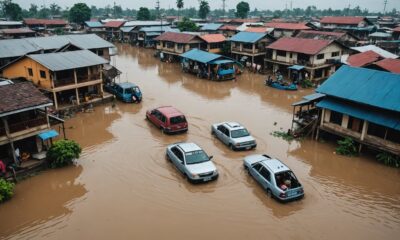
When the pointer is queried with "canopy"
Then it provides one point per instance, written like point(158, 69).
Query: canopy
point(48, 134)
point(222, 61)
point(296, 67)
point(309, 99)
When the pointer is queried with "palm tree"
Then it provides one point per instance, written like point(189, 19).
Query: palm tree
point(179, 5)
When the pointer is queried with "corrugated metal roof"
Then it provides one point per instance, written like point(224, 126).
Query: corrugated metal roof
point(176, 37)
point(20, 47)
point(380, 35)
point(370, 114)
point(376, 49)
point(200, 56)
point(68, 60)
point(300, 45)
point(213, 38)
point(287, 25)
point(342, 20)
point(94, 24)
point(37, 21)
point(10, 23)
point(16, 30)
point(371, 87)
point(247, 37)
point(211, 27)
point(391, 65)
point(145, 23)
point(363, 59)
point(126, 29)
point(114, 24)
point(158, 29)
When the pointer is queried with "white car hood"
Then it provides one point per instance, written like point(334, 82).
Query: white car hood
point(243, 139)
point(203, 167)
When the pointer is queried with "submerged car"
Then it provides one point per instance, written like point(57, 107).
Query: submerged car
point(126, 92)
point(192, 161)
point(274, 176)
point(168, 119)
point(233, 135)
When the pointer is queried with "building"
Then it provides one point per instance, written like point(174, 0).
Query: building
point(360, 27)
point(12, 49)
point(113, 29)
point(229, 30)
point(379, 36)
point(130, 30)
point(343, 37)
point(376, 49)
point(388, 65)
point(146, 35)
point(315, 57)
point(211, 28)
point(172, 44)
point(24, 124)
point(69, 78)
point(12, 33)
point(44, 24)
point(10, 24)
point(396, 33)
point(363, 104)
point(363, 59)
point(250, 45)
point(213, 43)
point(95, 27)
point(286, 29)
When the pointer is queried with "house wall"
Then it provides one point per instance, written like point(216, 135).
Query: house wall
point(327, 54)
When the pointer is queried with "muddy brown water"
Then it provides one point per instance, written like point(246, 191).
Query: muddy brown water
point(123, 187)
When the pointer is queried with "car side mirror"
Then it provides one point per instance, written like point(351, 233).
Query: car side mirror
point(210, 157)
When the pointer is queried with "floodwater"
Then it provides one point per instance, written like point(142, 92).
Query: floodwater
point(124, 188)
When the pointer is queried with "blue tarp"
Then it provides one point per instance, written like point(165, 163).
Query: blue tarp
point(222, 61)
point(371, 87)
point(200, 56)
point(296, 67)
point(371, 114)
point(247, 37)
point(48, 134)
point(94, 24)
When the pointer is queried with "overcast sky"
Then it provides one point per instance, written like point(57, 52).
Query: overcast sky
point(372, 5)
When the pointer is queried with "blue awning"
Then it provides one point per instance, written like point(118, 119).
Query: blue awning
point(296, 67)
point(48, 134)
point(309, 99)
point(222, 61)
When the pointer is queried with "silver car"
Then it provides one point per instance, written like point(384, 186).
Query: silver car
point(233, 135)
point(274, 176)
point(192, 161)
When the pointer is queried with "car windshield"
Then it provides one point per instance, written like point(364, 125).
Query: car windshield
point(178, 119)
point(196, 157)
point(136, 89)
point(239, 133)
point(128, 90)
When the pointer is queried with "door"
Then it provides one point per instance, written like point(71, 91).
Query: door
point(178, 159)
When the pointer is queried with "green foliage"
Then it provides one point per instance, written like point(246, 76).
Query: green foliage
point(179, 4)
point(388, 159)
point(187, 25)
point(62, 152)
point(143, 14)
point(204, 9)
point(11, 10)
point(242, 9)
point(6, 190)
point(347, 147)
point(305, 83)
point(80, 13)
point(284, 135)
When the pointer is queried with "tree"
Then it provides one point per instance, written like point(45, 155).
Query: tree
point(204, 9)
point(117, 11)
point(143, 14)
point(242, 9)
point(80, 13)
point(44, 12)
point(179, 5)
point(55, 9)
point(63, 152)
point(187, 25)
point(11, 10)
point(33, 10)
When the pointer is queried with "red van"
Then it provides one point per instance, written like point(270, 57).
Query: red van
point(168, 119)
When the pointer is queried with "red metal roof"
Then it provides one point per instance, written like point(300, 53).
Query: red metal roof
point(391, 65)
point(396, 29)
point(342, 20)
point(176, 37)
point(114, 24)
point(213, 38)
point(300, 45)
point(363, 59)
point(287, 25)
point(16, 31)
point(36, 21)
point(256, 29)
point(228, 27)
point(245, 20)
point(336, 34)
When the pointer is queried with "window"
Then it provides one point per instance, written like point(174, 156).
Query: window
point(257, 167)
point(335, 54)
point(291, 55)
point(281, 53)
point(266, 174)
point(376, 130)
point(177, 120)
point(336, 118)
point(163, 119)
point(177, 153)
point(355, 124)
point(30, 72)
point(100, 52)
point(42, 74)
point(320, 56)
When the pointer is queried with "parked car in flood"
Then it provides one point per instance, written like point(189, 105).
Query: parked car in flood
point(233, 135)
point(192, 162)
point(274, 176)
point(168, 119)
point(126, 92)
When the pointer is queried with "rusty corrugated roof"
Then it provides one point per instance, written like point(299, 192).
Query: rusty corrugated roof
point(114, 24)
point(300, 45)
point(287, 25)
point(36, 21)
point(363, 59)
point(213, 38)
point(342, 20)
point(391, 65)
point(176, 37)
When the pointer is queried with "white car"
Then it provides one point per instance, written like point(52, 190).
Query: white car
point(234, 135)
point(192, 161)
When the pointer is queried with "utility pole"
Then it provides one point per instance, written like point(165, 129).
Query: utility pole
point(291, 5)
point(114, 9)
point(223, 7)
point(158, 8)
point(384, 6)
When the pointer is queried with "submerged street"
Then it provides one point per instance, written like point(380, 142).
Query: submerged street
point(124, 188)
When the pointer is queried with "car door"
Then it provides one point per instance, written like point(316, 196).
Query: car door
point(219, 131)
point(155, 117)
point(265, 178)
point(178, 159)
point(226, 136)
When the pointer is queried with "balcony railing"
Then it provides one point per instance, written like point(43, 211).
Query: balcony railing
point(64, 82)
point(20, 126)
point(95, 76)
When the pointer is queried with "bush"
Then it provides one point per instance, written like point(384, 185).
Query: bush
point(388, 159)
point(62, 152)
point(306, 83)
point(6, 190)
point(347, 147)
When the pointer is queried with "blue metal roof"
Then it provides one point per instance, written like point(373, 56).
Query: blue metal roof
point(211, 27)
point(247, 37)
point(371, 87)
point(296, 67)
point(48, 134)
point(371, 114)
point(94, 24)
point(222, 61)
point(127, 85)
point(200, 56)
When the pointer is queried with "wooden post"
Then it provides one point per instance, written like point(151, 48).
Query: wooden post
point(294, 110)
point(55, 100)
point(209, 71)
point(77, 97)
point(75, 77)
point(7, 130)
point(364, 130)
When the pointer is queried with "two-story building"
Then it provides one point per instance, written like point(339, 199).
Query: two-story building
point(130, 30)
point(250, 46)
point(213, 42)
point(113, 29)
point(24, 123)
point(361, 27)
point(146, 35)
point(363, 104)
point(171, 44)
point(69, 78)
point(315, 57)
point(45, 24)
point(343, 37)
point(286, 29)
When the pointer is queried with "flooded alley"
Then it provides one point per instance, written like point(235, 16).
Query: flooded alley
point(124, 188)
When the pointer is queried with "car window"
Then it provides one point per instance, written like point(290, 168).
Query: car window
point(163, 119)
point(196, 157)
point(177, 153)
point(239, 133)
point(128, 90)
point(266, 174)
point(177, 120)
point(221, 128)
point(257, 167)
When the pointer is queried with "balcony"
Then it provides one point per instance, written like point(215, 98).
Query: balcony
point(24, 125)
point(64, 82)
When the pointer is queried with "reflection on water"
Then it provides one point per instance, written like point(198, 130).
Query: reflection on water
point(129, 190)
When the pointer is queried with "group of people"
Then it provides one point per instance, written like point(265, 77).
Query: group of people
point(253, 67)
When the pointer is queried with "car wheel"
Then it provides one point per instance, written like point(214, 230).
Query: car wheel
point(168, 158)
point(269, 193)
point(232, 147)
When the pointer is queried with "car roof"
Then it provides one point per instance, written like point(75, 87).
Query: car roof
point(169, 111)
point(188, 147)
point(275, 165)
point(127, 85)
point(233, 125)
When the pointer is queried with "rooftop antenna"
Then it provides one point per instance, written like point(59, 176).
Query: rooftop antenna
point(384, 6)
